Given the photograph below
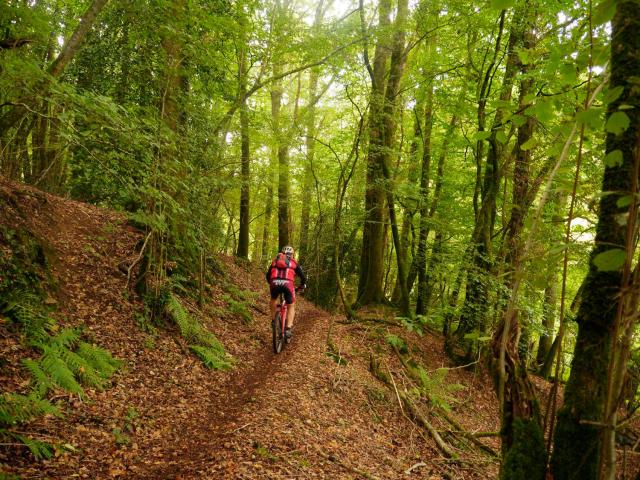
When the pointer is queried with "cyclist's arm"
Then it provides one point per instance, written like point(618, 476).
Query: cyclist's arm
point(300, 273)
point(268, 274)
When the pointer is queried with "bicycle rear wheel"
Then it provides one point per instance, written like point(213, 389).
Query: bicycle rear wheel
point(277, 333)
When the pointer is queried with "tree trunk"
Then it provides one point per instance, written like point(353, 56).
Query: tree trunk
point(524, 453)
point(311, 147)
point(370, 285)
point(266, 229)
point(577, 443)
point(245, 161)
point(421, 253)
point(475, 309)
point(553, 217)
point(396, 70)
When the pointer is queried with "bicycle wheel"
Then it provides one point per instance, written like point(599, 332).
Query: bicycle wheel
point(277, 333)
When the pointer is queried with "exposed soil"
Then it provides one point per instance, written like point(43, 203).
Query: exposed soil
point(299, 414)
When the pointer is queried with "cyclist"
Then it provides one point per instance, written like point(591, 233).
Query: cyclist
point(281, 275)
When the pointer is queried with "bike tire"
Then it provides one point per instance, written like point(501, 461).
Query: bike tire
point(277, 333)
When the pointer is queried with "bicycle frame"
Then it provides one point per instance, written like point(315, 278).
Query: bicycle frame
point(279, 339)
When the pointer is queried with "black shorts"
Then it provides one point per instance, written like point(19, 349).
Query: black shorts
point(286, 288)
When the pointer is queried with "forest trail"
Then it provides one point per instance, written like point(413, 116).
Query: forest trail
point(294, 415)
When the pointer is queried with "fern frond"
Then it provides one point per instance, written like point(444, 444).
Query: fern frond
point(205, 344)
point(66, 338)
point(16, 408)
point(59, 371)
point(25, 309)
point(38, 448)
point(99, 358)
point(211, 358)
point(41, 381)
point(81, 368)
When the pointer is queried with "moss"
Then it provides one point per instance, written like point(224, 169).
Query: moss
point(23, 264)
point(527, 457)
point(579, 450)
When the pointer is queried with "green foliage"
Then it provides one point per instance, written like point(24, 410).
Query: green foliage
point(22, 262)
point(16, 409)
point(416, 324)
point(39, 449)
point(610, 260)
point(25, 310)
point(435, 387)
point(239, 308)
point(120, 437)
point(204, 343)
point(397, 343)
point(66, 362)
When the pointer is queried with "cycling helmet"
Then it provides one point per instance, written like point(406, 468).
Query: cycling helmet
point(288, 251)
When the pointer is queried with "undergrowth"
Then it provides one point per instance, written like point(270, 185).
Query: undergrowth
point(238, 301)
point(66, 363)
point(202, 342)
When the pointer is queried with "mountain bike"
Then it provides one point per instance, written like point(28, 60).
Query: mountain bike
point(278, 324)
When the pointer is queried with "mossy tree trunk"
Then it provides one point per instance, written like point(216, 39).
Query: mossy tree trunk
point(370, 284)
point(523, 450)
point(578, 439)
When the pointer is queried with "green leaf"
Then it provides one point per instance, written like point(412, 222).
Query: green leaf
point(525, 56)
point(614, 158)
point(529, 144)
point(544, 111)
point(518, 120)
point(610, 260)
point(613, 94)
point(590, 117)
point(482, 135)
point(501, 136)
point(604, 12)
point(617, 123)
point(623, 202)
point(502, 4)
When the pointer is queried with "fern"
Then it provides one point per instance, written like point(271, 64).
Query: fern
point(59, 372)
point(397, 343)
point(436, 388)
point(66, 338)
point(16, 408)
point(38, 448)
point(42, 381)
point(100, 359)
point(205, 344)
point(25, 309)
point(211, 358)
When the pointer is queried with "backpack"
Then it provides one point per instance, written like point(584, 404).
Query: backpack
point(283, 268)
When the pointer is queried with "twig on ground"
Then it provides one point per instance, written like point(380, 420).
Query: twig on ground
point(239, 428)
point(396, 390)
point(413, 467)
point(333, 458)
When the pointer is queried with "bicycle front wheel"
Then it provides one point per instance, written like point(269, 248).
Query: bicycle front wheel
point(277, 333)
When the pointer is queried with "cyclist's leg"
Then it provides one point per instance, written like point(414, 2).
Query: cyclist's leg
point(274, 299)
point(290, 298)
